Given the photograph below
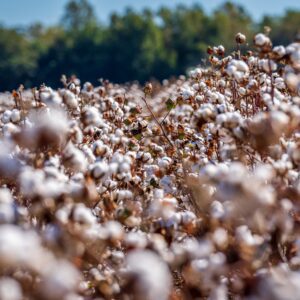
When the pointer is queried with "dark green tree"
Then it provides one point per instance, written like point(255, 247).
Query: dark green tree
point(78, 15)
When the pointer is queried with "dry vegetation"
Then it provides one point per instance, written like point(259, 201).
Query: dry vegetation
point(189, 190)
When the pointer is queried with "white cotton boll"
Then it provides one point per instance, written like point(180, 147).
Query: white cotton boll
point(279, 51)
point(219, 293)
point(74, 158)
point(202, 85)
point(119, 132)
point(152, 275)
point(70, 99)
point(31, 181)
point(220, 237)
point(261, 40)
point(244, 235)
point(114, 105)
point(7, 210)
point(82, 214)
point(267, 65)
point(264, 172)
point(237, 69)
point(242, 91)
point(295, 54)
point(15, 116)
point(99, 170)
point(124, 167)
point(124, 195)
point(6, 116)
point(221, 118)
point(279, 119)
point(114, 230)
point(133, 221)
point(242, 66)
point(252, 61)
point(10, 289)
point(221, 83)
point(164, 162)
point(56, 285)
point(199, 98)
point(293, 81)
point(196, 73)
point(196, 87)
point(217, 210)
point(54, 99)
point(279, 283)
point(187, 217)
point(19, 248)
point(187, 93)
point(279, 83)
point(5, 196)
point(136, 240)
point(158, 194)
point(91, 116)
point(9, 128)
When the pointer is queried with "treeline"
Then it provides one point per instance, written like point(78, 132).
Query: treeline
point(131, 46)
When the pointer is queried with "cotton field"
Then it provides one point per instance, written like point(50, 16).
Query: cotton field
point(185, 190)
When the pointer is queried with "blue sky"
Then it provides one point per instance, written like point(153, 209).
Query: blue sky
point(25, 12)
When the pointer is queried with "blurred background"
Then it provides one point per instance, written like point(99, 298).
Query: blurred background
point(126, 40)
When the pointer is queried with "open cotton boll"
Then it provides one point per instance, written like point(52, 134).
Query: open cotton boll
point(18, 247)
point(5, 118)
point(153, 277)
point(99, 170)
point(83, 214)
point(74, 159)
point(7, 209)
point(70, 99)
point(10, 289)
point(261, 40)
point(56, 285)
point(15, 116)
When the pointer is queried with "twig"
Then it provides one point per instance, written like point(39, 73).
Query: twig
point(157, 122)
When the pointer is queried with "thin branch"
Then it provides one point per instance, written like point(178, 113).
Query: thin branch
point(157, 122)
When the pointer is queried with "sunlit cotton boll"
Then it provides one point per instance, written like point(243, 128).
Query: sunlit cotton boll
point(261, 40)
point(237, 69)
point(152, 276)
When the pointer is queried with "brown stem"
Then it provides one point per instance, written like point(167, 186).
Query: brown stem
point(157, 122)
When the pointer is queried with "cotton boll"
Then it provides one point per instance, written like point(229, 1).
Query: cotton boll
point(237, 69)
point(220, 237)
point(31, 181)
point(261, 40)
point(74, 159)
point(70, 99)
point(56, 285)
point(15, 116)
point(7, 209)
point(10, 289)
point(164, 162)
point(279, 51)
point(82, 214)
point(99, 170)
point(152, 276)
point(6, 116)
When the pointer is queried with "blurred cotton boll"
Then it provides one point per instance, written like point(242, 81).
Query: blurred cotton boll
point(151, 276)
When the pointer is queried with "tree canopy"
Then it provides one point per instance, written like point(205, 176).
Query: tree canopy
point(131, 46)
